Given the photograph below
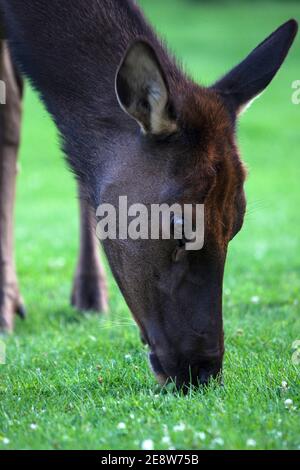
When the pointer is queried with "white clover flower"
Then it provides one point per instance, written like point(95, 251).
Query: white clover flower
point(147, 444)
point(128, 357)
point(218, 441)
point(166, 440)
point(284, 385)
point(179, 427)
point(201, 436)
point(296, 344)
point(296, 357)
point(33, 426)
point(288, 403)
point(255, 299)
point(251, 442)
point(5, 441)
point(121, 426)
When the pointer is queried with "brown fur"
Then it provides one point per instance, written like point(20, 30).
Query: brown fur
point(90, 62)
point(10, 120)
point(216, 171)
point(89, 289)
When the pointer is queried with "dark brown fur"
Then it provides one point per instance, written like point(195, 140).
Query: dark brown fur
point(90, 62)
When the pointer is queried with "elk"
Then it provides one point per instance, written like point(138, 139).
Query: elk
point(133, 123)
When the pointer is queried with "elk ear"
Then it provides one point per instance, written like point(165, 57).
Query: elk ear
point(142, 89)
point(246, 81)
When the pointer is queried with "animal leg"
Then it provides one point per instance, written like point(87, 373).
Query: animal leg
point(89, 287)
point(10, 124)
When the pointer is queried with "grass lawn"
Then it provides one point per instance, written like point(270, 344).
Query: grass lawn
point(70, 379)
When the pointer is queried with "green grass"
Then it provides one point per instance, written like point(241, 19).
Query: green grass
point(56, 357)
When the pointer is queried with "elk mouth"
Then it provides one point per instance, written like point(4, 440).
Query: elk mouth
point(198, 376)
